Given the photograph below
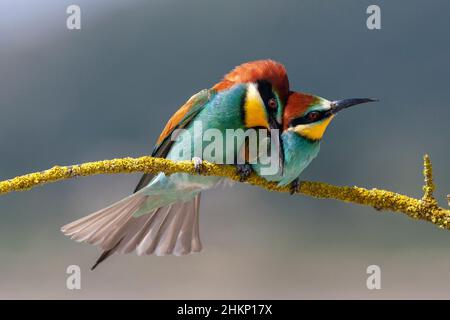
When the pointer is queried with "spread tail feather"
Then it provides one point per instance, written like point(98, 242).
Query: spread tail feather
point(173, 229)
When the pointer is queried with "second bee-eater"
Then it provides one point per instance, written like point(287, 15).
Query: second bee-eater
point(305, 119)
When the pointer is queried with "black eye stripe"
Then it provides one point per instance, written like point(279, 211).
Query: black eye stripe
point(265, 90)
point(306, 120)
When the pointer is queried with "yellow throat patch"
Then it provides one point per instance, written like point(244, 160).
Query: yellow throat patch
point(255, 111)
point(313, 131)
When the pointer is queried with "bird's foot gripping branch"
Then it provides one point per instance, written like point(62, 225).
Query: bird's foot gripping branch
point(426, 208)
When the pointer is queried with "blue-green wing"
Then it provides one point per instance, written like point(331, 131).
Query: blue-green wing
point(181, 119)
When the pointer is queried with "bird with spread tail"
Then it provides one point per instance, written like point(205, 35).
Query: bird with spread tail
point(162, 216)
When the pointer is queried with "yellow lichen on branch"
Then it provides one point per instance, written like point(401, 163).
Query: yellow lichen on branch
point(429, 187)
point(425, 209)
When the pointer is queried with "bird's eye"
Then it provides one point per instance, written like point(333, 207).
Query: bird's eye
point(272, 103)
point(313, 116)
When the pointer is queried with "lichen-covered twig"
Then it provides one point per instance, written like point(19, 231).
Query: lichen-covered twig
point(424, 209)
point(429, 187)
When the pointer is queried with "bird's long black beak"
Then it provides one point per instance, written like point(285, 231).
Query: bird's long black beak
point(339, 105)
point(274, 125)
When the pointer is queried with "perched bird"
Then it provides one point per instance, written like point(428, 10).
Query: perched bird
point(161, 217)
point(305, 119)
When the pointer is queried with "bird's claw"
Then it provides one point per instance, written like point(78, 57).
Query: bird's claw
point(295, 186)
point(197, 164)
point(244, 171)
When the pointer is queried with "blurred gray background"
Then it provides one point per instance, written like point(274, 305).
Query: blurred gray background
point(107, 90)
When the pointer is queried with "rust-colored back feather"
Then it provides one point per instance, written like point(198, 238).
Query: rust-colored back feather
point(269, 70)
point(176, 118)
point(252, 71)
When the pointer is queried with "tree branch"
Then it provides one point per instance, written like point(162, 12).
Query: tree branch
point(424, 209)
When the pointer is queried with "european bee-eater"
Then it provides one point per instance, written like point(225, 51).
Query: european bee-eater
point(305, 119)
point(161, 217)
